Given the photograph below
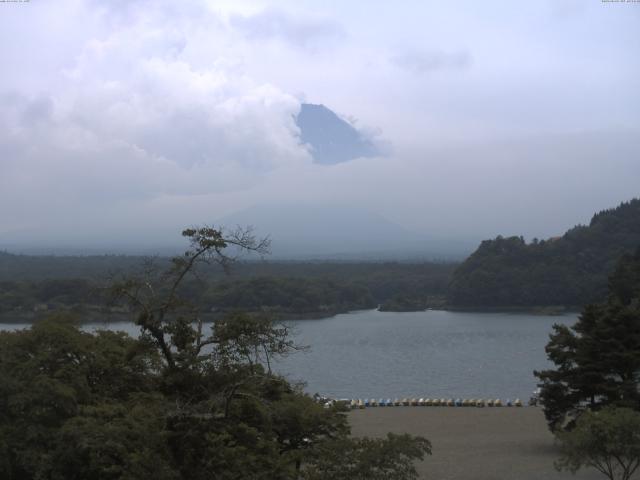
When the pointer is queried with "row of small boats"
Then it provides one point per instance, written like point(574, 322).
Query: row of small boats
point(434, 402)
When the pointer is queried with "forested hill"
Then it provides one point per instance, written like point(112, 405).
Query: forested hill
point(570, 270)
point(29, 285)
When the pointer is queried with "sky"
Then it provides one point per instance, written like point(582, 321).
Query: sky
point(121, 121)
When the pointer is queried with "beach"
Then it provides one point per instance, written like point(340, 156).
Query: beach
point(474, 443)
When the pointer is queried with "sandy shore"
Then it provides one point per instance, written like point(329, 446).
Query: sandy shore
point(473, 443)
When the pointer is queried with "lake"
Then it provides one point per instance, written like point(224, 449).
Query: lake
point(371, 354)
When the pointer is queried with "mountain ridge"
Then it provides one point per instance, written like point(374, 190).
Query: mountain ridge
point(331, 139)
point(568, 270)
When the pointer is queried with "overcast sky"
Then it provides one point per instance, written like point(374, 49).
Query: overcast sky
point(122, 118)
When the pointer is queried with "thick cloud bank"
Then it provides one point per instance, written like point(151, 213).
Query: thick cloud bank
point(137, 112)
point(121, 121)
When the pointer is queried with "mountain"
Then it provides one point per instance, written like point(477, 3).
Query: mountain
point(570, 270)
point(339, 232)
point(332, 139)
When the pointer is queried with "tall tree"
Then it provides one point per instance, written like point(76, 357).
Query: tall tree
point(164, 316)
point(598, 359)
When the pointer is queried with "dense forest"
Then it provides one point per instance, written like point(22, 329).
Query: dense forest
point(570, 270)
point(176, 402)
point(32, 285)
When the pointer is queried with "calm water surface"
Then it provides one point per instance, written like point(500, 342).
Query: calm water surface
point(371, 354)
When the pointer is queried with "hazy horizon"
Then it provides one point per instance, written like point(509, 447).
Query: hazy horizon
point(123, 122)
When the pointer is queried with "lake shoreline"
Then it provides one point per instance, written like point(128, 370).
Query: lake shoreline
point(435, 354)
point(92, 315)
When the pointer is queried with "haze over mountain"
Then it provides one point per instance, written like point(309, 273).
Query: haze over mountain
point(296, 231)
point(314, 231)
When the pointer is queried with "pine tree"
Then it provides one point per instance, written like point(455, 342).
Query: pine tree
point(597, 359)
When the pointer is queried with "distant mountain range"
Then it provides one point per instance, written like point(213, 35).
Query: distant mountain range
point(339, 232)
point(571, 270)
point(331, 139)
point(298, 232)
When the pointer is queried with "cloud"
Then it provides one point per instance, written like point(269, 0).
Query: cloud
point(117, 115)
point(308, 33)
point(136, 117)
point(133, 98)
point(421, 62)
point(567, 9)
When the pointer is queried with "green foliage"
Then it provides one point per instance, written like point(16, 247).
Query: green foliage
point(287, 289)
point(407, 303)
point(569, 270)
point(288, 295)
point(368, 459)
point(76, 405)
point(114, 441)
point(24, 296)
point(54, 379)
point(598, 359)
point(177, 403)
point(608, 440)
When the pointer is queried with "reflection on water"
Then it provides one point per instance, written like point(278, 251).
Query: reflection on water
point(424, 354)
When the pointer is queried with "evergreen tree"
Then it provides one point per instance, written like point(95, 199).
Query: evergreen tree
point(598, 359)
point(569, 270)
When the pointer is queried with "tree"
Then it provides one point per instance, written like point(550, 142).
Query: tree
point(177, 403)
point(78, 405)
point(569, 270)
point(368, 459)
point(598, 359)
point(607, 440)
point(164, 316)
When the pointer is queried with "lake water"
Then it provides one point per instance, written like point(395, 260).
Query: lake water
point(371, 354)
